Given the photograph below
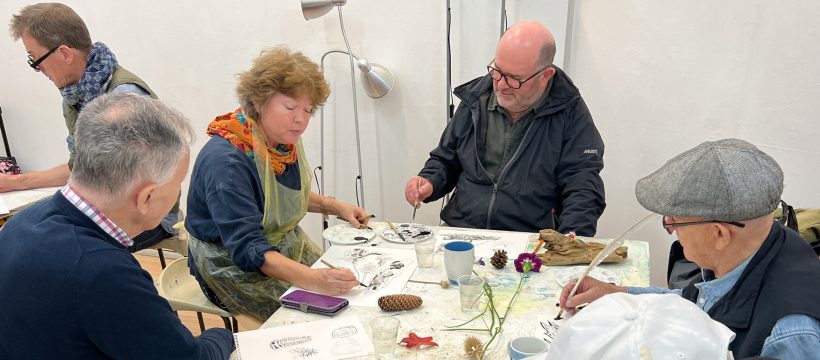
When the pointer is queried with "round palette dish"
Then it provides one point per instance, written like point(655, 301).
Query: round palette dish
point(411, 231)
point(563, 276)
point(346, 234)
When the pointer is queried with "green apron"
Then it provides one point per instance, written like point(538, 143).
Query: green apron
point(253, 293)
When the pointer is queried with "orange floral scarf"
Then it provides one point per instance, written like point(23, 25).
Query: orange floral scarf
point(237, 128)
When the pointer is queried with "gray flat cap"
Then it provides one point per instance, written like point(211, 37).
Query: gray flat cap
point(728, 180)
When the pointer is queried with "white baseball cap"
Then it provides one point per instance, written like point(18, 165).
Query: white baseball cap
point(645, 327)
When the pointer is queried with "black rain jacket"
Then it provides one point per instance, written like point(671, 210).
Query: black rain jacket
point(551, 182)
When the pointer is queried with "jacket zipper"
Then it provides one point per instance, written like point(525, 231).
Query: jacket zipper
point(503, 172)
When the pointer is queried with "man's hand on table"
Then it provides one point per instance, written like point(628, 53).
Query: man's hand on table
point(590, 290)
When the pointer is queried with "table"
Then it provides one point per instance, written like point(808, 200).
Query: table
point(537, 300)
point(17, 200)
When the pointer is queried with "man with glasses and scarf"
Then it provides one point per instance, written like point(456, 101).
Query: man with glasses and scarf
point(59, 46)
point(761, 279)
point(521, 151)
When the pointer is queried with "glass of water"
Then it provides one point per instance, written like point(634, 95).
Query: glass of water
point(470, 290)
point(383, 331)
point(425, 252)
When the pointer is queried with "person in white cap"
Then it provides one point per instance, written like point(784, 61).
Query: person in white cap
point(627, 327)
point(761, 279)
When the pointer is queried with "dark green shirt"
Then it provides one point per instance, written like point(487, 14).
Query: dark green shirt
point(502, 135)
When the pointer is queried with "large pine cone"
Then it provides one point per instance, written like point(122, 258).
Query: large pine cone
point(499, 259)
point(399, 302)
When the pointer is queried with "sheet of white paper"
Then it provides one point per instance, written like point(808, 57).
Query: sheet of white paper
point(17, 199)
point(3, 208)
point(338, 338)
point(486, 242)
point(384, 270)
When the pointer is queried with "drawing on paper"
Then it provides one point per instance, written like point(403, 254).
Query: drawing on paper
point(345, 331)
point(304, 353)
point(487, 242)
point(279, 343)
point(468, 237)
point(550, 330)
point(373, 268)
point(383, 271)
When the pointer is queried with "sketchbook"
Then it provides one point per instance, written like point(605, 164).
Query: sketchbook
point(340, 338)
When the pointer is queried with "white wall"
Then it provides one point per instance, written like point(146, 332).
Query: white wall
point(659, 79)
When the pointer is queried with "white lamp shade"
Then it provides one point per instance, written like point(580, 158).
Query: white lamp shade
point(376, 80)
point(312, 9)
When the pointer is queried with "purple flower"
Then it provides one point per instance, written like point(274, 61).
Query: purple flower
point(527, 262)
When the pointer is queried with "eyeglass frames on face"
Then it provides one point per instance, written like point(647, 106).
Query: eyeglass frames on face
point(670, 227)
point(36, 64)
point(514, 83)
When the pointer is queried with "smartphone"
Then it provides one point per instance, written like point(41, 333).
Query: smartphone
point(311, 302)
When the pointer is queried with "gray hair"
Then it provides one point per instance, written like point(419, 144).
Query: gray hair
point(547, 54)
point(122, 139)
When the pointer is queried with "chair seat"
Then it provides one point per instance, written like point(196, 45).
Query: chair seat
point(180, 288)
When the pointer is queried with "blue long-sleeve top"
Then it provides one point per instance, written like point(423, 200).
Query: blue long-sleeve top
point(226, 203)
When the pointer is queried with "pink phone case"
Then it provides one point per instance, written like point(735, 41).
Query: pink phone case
point(314, 303)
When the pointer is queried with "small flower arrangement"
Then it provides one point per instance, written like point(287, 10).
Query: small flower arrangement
point(527, 262)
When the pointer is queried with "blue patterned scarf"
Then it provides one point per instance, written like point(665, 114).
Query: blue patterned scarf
point(100, 66)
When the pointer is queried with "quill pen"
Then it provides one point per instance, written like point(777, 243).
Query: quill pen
point(614, 244)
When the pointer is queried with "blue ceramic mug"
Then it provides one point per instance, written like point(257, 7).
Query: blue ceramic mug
point(458, 260)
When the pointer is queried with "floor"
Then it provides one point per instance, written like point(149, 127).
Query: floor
point(150, 262)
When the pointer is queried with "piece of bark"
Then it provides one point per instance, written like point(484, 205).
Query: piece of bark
point(565, 250)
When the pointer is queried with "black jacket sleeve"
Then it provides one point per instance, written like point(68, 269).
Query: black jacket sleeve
point(443, 167)
point(582, 159)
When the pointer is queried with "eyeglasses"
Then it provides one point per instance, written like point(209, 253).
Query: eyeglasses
point(36, 64)
point(514, 83)
point(670, 227)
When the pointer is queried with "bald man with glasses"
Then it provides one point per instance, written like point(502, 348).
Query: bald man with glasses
point(522, 152)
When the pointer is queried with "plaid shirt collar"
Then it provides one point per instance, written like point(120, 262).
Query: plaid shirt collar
point(96, 216)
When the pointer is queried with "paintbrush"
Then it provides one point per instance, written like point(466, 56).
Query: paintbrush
point(614, 244)
point(416, 207)
point(333, 267)
point(395, 230)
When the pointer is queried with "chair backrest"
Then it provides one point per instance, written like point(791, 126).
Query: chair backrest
point(180, 288)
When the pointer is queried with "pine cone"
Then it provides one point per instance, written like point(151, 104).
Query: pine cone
point(399, 302)
point(499, 259)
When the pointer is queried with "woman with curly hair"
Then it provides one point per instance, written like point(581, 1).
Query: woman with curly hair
point(250, 187)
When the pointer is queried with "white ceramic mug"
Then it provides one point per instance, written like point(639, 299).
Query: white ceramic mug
point(526, 346)
point(458, 260)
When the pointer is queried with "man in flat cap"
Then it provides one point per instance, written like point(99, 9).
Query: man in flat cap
point(761, 279)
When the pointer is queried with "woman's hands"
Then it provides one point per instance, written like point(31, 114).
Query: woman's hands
point(325, 281)
point(353, 214)
point(332, 281)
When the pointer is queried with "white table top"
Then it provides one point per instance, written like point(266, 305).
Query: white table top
point(536, 301)
point(16, 200)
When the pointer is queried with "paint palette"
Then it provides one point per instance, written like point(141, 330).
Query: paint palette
point(563, 276)
point(346, 234)
point(411, 231)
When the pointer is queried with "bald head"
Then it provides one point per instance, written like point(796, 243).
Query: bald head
point(528, 39)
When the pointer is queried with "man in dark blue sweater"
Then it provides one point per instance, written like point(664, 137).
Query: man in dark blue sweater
point(70, 289)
